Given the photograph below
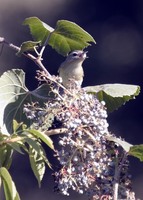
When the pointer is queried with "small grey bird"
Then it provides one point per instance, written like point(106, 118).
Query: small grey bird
point(71, 69)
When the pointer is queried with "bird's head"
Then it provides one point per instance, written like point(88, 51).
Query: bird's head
point(76, 55)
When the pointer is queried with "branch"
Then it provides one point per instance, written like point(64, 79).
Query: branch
point(37, 60)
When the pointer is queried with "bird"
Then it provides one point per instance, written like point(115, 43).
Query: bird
point(71, 70)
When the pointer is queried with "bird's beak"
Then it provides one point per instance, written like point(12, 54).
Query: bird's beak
point(84, 54)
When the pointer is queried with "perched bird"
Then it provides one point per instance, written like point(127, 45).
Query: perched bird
point(71, 70)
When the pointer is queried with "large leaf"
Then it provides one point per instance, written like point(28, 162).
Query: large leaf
point(67, 36)
point(114, 95)
point(38, 29)
point(9, 186)
point(13, 96)
point(12, 88)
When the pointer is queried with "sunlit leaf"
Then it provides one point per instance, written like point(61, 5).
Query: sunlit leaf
point(9, 186)
point(46, 139)
point(13, 95)
point(38, 29)
point(114, 95)
point(37, 164)
point(16, 125)
point(17, 147)
point(12, 88)
point(39, 149)
point(66, 36)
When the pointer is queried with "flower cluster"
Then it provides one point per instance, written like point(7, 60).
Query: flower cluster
point(87, 158)
point(89, 163)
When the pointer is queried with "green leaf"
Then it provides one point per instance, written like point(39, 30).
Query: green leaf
point(6, 153)
point(17, 147)
point(13, 96)
point(137, 151)
point(12, 88)
point(33, 143)
point(9, 186)
point(125, 145)
point(46, 139)
point(114, 95)
point(37, 164)
point(38, 148)
point(66, 37)
point(27, 46)
point(38, 29)
point(16, 126)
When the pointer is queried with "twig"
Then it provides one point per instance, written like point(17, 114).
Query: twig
point(115, 190)
point(116, 180)
point(10, 140)
point(45, 43)
point(90, 135)
point(37, 60)
point(118, 168)
point(56, 131)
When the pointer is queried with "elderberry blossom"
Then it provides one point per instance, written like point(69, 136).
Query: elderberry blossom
point(88, 161)
point(87, 164)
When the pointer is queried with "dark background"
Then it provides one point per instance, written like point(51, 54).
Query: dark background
point(117, 27)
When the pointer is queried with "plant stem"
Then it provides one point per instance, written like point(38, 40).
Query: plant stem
point(116, 179)
point(115, 195)
point(37, 60)
point(45, 43)
point(56, 131)
point(118, 168)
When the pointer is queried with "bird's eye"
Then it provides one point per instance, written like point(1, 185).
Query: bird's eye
point(74, 54)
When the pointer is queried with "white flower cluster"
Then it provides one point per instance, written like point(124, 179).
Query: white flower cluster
point(87, 159)
point(87, 164)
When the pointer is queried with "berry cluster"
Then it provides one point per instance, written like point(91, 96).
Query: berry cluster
point(89, 163)
point(87, 158)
